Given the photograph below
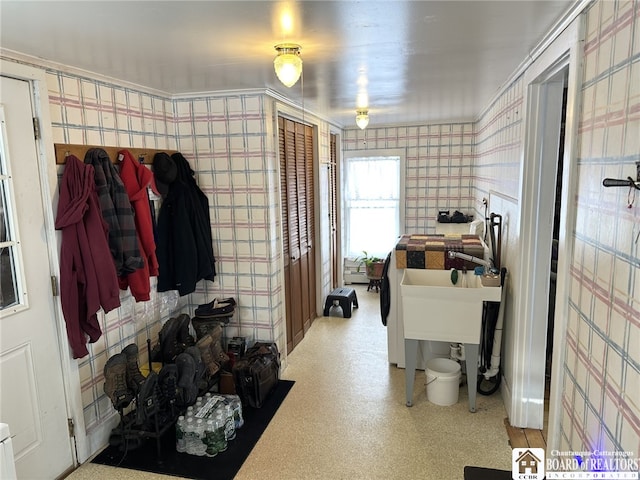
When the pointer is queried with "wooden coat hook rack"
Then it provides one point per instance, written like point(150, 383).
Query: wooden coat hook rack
point(63, 150)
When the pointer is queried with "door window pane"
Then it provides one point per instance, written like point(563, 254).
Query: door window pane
point(8, 246)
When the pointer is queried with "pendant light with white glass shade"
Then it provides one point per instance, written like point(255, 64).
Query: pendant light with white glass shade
point(288, 64)
point(362, 118)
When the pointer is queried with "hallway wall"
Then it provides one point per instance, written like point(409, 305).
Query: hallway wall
point(230, 142)
point(92, 112)
point(601, 368)
point(438, 167)
point(496, 172)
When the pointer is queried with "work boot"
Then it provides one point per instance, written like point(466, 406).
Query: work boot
point(219, 355)
point(204, 345)
point(200, 380)
point(203, 326)
point(184, 338)
point(115, 381)
point(168, 382)
point(147, 401)
point(168, 344)
point(134, 377)
point(187, 388)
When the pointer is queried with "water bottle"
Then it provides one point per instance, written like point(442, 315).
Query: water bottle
point(230, 424)
point(200, 445)
point(220, 438)
point(181, 441)
point(210, 438)
point(189, 435)
point(236, 405)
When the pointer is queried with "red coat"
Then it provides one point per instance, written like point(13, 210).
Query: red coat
point(88, 278)
point(136, 178)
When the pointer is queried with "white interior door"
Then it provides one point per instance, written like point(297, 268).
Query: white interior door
point(32, 398)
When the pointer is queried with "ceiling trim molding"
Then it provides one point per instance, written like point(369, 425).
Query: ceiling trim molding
point(219, 93)
point(558, 27)
point(30, 60)
point(278, 97)
point(426, 123)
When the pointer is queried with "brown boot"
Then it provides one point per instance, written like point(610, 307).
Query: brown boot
point(135, 379)
point(204, 345)
point(219, 355)
point(115, 381)
point(203, 326)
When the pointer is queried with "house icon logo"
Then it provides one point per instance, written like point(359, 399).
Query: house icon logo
point(528, 463)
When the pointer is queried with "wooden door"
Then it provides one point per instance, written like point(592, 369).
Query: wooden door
point(333, 211)
point(297, 190)
point(310, 227)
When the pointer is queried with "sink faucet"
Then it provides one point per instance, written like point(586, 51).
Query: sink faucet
point(488, 265)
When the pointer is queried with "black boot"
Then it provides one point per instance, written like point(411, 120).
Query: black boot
point(135, 379)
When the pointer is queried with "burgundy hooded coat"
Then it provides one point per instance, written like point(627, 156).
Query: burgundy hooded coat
point(88, 278)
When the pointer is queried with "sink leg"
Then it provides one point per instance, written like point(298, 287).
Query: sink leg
point(471, 354)
point(410, 360)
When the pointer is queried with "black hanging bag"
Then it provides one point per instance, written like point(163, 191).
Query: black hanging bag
point(256, 374)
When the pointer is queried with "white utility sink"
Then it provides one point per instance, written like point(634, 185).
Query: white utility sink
point(435, 309)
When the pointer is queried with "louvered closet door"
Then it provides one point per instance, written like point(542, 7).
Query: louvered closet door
point(296, 176)
point(285, 229)
point(311, 222)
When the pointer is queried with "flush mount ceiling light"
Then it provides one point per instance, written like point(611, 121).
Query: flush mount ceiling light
point(362, 118)
point(288, 64)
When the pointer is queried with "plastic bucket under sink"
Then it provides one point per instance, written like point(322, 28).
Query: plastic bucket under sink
point(443, 381)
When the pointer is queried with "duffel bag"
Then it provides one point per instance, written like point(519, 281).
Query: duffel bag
point(257, 373)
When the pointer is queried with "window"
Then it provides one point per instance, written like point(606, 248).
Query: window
point(371, 205)
point(8, 246)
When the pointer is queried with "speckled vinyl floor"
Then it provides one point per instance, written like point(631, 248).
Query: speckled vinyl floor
point(346, 418)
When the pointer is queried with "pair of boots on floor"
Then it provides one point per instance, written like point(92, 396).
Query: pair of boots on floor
point(198, 366)
point(123, 382)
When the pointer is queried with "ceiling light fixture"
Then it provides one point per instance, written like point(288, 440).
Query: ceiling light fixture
point(362, 118)
point(288, 64)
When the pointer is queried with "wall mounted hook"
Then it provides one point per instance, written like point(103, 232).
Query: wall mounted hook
point(618, 182)
point(628, 182)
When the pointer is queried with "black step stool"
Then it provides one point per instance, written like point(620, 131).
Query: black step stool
point(344, 296)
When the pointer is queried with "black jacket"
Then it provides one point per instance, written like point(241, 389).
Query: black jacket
point(184, 250)
point(385, 291)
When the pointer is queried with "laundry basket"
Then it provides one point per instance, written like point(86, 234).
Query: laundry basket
point(443, 381)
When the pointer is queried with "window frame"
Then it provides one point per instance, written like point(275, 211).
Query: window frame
point(347, 155)
point(11, 221)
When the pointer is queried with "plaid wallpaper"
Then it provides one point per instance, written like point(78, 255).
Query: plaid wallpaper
point(438, 167)
point(86, 111)
point(601, 369)
point(229, 143)
point(601, 374)
point(497, 146)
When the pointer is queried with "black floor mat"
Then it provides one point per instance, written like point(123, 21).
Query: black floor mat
point(479, 473)
point(223, 466)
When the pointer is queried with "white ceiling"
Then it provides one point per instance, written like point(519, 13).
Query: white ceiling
point(416, 61)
